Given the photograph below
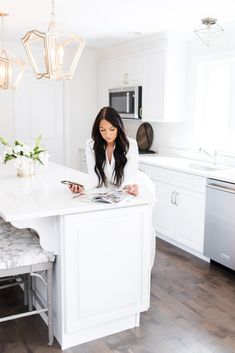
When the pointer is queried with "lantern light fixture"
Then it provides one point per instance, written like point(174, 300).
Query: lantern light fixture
point(208, 31)
point(53, 54)
point(11, 68)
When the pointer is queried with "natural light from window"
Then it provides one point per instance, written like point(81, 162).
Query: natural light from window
point(214, 119)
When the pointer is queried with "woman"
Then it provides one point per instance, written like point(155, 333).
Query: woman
point(112, 157)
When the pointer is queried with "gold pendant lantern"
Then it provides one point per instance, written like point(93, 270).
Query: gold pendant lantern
point(53, 54)
point(11, 68)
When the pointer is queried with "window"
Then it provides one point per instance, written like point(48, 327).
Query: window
point(214, 113)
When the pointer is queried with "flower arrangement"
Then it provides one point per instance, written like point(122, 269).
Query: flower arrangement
point(23, 154)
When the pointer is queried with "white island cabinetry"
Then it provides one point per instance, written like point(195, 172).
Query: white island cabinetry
point(179, 212)
point(106, 272)
point(102, 268)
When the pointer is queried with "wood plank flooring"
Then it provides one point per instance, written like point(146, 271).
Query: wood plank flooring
point(192, 311)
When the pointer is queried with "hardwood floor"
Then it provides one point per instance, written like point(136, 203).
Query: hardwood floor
point(192, 311)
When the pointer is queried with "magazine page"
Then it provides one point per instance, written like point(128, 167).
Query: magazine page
point(106, 196)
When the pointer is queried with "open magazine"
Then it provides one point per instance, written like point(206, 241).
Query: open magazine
point(109, 196)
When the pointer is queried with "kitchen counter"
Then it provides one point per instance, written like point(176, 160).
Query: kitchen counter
point(102, 268)
point(44, 195)
point(194, 167)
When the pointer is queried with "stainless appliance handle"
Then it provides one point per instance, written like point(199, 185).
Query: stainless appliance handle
point(127, 102)
point(221, 188)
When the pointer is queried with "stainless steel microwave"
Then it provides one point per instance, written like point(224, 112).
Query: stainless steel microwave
point(127, 101)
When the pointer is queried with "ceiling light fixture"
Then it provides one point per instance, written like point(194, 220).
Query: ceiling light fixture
point(11, 68)
point(53, 54)
point(208, 31)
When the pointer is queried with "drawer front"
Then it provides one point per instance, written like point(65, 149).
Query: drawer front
point(169, 176)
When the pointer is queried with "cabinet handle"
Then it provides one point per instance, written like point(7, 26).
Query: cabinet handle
point(176, 199)
point(172, 197)
point(127, 102)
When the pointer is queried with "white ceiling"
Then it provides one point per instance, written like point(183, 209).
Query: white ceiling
point(104, 22)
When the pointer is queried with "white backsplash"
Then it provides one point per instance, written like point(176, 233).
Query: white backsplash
point(174, 140)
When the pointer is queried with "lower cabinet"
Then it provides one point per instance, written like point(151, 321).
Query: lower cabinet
point(105, 272)
point(179, 212)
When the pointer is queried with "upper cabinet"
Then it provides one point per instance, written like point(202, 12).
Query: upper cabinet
point(153, 85)
point(122, 71)
point(164, 82)
point(160, 67)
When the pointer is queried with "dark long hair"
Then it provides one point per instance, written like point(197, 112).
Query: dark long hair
point(121, 146)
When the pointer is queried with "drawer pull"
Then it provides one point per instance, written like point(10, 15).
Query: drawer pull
point(172, 198)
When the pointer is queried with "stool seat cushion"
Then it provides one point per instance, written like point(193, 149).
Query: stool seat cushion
point(20, 247)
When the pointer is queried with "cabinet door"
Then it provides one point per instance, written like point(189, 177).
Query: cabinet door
point(122, 71)
point(191, 218)
point(165, 213)
point(104, 82)
point(106, 269)
point(153, 85)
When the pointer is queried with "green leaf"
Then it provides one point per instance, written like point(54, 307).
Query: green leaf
point(38, 140)
point(39, 151)
point(8, 158)
point(18, 143)
point(3, 141)
point(38, 159)
point(36, 148)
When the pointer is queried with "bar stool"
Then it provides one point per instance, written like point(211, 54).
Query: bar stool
point(21, 258)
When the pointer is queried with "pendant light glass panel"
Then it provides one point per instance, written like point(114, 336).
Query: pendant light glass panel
point(208, 31)
point(53, 54)
point(11, 68)
point(36, 48)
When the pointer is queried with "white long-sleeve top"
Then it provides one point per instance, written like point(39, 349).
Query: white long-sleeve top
point(130, 169)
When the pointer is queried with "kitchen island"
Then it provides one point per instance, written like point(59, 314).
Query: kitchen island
point(102, 269)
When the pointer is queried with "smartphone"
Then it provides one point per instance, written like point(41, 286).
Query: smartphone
point(67, 182)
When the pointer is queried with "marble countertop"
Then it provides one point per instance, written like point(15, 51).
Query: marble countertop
point(194, 167)
point(44, 195)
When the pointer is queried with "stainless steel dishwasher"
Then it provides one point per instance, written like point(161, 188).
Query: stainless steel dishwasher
point(219, 244)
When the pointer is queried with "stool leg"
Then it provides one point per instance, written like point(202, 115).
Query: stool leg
point(30, 294)
point(26, 289)
point(50, 306)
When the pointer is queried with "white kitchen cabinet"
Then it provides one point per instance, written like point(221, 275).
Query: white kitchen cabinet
point(106, 274)
point(153, 85)
point(164, 82)
point(179, 212)
point(122, 71)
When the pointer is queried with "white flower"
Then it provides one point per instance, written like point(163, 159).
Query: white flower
point(2, 158)
point(24, 154)
point(8, 150)
point(27, 150)
point(17, 149)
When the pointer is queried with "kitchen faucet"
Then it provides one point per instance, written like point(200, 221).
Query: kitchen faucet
point(213, 156)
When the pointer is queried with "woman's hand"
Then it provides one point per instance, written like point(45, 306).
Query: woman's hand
point(76, 188)
point(132, 189)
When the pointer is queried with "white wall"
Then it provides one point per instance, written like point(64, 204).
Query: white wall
point(7, 128)
point(80, 103)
